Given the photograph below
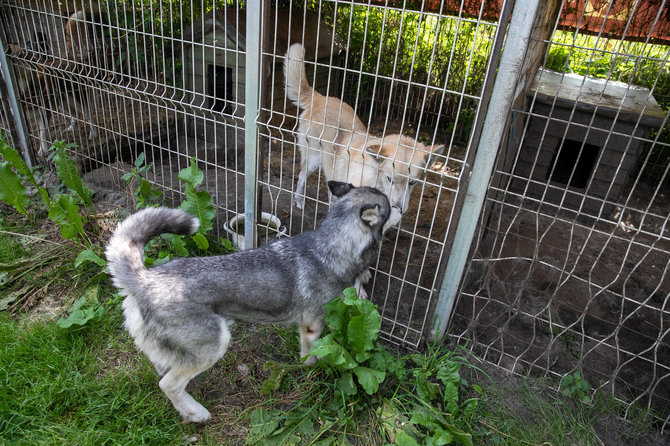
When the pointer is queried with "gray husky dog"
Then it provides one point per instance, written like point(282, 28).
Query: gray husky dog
point(178, 312)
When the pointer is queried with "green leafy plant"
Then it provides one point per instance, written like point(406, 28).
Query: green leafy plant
point(86, 309)
point(198, 204)
point(351, 348)
point(415, 399)
point(13, 173)
point(145, 193)
point(575, 386)
point(64, 209)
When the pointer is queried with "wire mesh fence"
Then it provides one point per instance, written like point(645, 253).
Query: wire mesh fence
point(168, 80)
point(569, 268)
point(569, 271)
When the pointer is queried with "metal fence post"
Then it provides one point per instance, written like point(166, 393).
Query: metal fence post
point(13, 103)
point(511, 61)
point(251, 113)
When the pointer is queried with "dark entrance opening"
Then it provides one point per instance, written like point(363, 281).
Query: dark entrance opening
point(574, 158)
point(220, 87)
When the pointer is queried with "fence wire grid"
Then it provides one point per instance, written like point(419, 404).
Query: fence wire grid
point(568, 270)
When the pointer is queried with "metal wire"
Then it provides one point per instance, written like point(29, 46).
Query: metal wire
point(569, 272)
point(560, 280)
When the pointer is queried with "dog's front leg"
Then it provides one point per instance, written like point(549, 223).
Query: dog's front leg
point(309, 333)
point(43, 123)
point(361, 281)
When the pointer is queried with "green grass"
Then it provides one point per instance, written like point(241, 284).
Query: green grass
point(58, 389)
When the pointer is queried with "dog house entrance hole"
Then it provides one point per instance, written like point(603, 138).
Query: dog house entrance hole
point(220, 87)
point(574, 158)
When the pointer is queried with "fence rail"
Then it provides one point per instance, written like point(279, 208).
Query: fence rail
point(569, 255)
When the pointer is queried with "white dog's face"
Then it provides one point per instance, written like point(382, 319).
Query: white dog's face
point(403, 164)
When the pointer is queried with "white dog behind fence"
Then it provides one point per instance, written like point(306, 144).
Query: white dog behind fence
point(332, 137)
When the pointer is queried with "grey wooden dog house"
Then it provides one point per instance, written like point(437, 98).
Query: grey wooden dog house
point(214, 57)
point(583, 140)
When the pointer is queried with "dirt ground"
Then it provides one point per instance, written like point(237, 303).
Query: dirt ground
point(551, 296)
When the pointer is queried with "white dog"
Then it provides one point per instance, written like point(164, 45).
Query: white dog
point(331, 136)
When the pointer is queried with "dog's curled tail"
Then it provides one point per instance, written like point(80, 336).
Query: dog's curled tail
point(125, 250)
point(298, 89)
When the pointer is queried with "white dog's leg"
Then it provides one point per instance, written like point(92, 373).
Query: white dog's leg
point(174, 383)
point(75, 108)
point(308, 335)
point(310, 160)
point(43, 123)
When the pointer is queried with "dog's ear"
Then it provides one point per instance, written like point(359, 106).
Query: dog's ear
point(435, 151)
point(339, 188)
point(374, 150)
point(370, 214)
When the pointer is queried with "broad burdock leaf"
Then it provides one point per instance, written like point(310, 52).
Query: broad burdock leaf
point(87, 308)
point(335, 317)
point(333, 353)
point(381, 359)
point(200, 241)
point(11, 155)
point(424, 418)
point(404, 439)
point(263, 424)
point(362, 332)
point(369, 379)
point(88, 255)
point(346, 384)
point(65, 212)
point(14, 158)
point(199, 204)
point(192, 175)
point(439, 437)
point(67, 172)
point(12, 190)
point(451, 397)
point(448, 372)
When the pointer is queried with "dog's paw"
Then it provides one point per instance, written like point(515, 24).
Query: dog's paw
point(299, 201)
point(365, 277)
point(196, 415)
point(92, 134)
point(361, 293)
point(70, 129)
point(310, 361)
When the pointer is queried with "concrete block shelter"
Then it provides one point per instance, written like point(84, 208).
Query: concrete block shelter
point(583, 139)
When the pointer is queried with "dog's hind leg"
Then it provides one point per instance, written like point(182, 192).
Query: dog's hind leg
point(174, 383)
point(309, 333)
